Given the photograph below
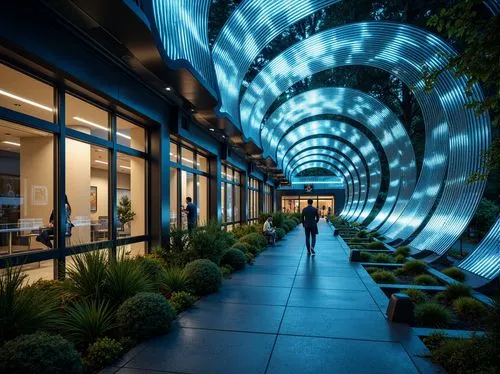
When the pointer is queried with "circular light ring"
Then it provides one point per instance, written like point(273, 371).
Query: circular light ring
point(356, 139)
point(340, 146)
point(456, 138)
point(484, 261)
point(369, 112)
point(351, 179)
point(249, 29)
point(181, 32)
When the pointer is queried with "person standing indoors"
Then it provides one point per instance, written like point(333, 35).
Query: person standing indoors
point(268, 229)
point(310, 219)
point(192, 213)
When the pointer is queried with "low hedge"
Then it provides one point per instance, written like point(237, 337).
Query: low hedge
point(256, 240)
point(244, 247)
point(455, 273)
point(204, 277)
point(234, 258)
point(102, 353)
point(432, 314)
point(280, 233)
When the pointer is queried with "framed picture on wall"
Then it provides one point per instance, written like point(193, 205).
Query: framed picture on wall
point(93, 199)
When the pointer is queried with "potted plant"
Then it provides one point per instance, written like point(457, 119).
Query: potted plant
point(124, 210)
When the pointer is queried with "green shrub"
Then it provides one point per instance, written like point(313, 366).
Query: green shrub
point(182, 301)
point(455, 273)
point(210, 242)
point(384, 276)
point(124, 279)
point(374, 234)
point(469, 309)
point(24, 310)
point(417, 296)
point(250, 258)
point(434, 340)
point(87, 274)
point(365, 257)
point(255, 240)
point(102, 353)
point(296, 220)
point(203, 276)
point(178, 252)
point(382, 258)
point(144, 315)
point(174, 280)
point(455, 290)
point(403, 250)
point(291, 224)
point(154, 268)
point(371, 269)
point(54, 289)
point(399, 271)
point(466, 356)
point(356, 240)
point(375, 245)
point(39, 353)
point(431, 314)
point(280, 233)
point(425, 280)
point(278, 219)
point(242, 230)
point(235, 258)
point(415, 267)
point(362, 234)
point(243, 247)
point(227, 270)
point(86, 321)
point(399, 259)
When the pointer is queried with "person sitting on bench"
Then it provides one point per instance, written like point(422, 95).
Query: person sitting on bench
point(47, 233)
point(269, 230)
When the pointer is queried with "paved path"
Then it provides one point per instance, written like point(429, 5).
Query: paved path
point(289, 313)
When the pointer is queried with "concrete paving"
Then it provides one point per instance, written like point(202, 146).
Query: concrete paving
point(288, 313)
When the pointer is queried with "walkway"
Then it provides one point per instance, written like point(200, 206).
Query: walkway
point(289, 313)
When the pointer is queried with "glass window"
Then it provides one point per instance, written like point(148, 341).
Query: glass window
point(202, 163)
point(229, 203)
point(86, 118)
point(236, 177)
point(223, 201)
point(187, 157)
point(174, 152)
point(130, 135)
point(174, 205)
point(130, 196)
point(87, 183)
point(24, 94)
point(229, 174)
point(26, 188)
point(187, 189)
point(202, 199)
point(237, 203)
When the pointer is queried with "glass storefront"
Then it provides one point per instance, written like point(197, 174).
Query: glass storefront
point(98, 179)
point(295, 204)
point(253, 199)
point(231, 195)
point(268, 199)
point(188, 178)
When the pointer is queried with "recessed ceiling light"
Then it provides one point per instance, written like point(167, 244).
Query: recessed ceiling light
point(193, 110)
point(100, 127)
point(101, 162)
point(211, 129)
point(26, 101)
point(168, 88)
point(11, 143)
point(125, 167)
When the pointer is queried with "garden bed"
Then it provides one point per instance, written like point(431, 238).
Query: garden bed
point(412, 272)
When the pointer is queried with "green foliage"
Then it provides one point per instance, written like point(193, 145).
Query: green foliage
point(204, 276)
point(288, 225)
point(182, 301)
point(227, 271)
point(399, 271)
point(178, 252)
point(375, 245)
point(403, 250)
point(243, 247)
point(356, 240)
point(455, 290)
point(250, 258)
point(469, 309)
point(255, 240)
point(425, 280)
point(365, 257)
point(124, 279)
point(174, 280)
point(124, 210)
point(102, 353)
point(210, 242)
point(145, 315)
point(362, 234)
point(371, 269)
point(455, 273)
point(154, 268)
point(382, 258)
point(39, 353)
point(466, 356)
point(417, 296)
point(280, 233)
point(24, 310)
point(415, 267)
point(485, 216)
point(235, 258)
point(279, 220)
point(87, 274)
point(400, 259)
point(87, 320)
point(242, 230)
point(384, 276)
point(431, 314)
point(262, 218)
point(374, 234)
point(57, 289)
point(435, 340)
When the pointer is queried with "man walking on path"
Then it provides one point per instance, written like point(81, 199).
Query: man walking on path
point(310, 219)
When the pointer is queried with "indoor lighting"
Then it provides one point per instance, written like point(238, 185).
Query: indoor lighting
point(11, 143)
point(168, 89)
point(83, 120)
point(125, 167)
point(211, 129)
point(22, 99)
point(101, 162)
point(123, 135)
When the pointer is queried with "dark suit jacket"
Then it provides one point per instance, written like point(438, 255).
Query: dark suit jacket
point(310, 217)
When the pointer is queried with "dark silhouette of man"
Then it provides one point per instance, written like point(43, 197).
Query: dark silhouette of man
point(310, 219)
point(192, 213)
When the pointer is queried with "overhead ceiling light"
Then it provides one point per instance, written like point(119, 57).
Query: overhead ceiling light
point(212, 129)
point(27, 101)
point(11, 143)
point(125, 167)
point(101, 162)
point(87, 122)
point(223, 136)
point(168, 88)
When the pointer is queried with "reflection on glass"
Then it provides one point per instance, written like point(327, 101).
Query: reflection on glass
point(202, 200)
point(187, 157)
point(237, 178)
point(26, 189)
point(174, 152)
point(173, 196)
point(229, 204)
point(24, 94)
point(223, 201)
point(87, 118)
point(202, 163)
point(187, 188)
point(237, 203)
point(130, 135)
